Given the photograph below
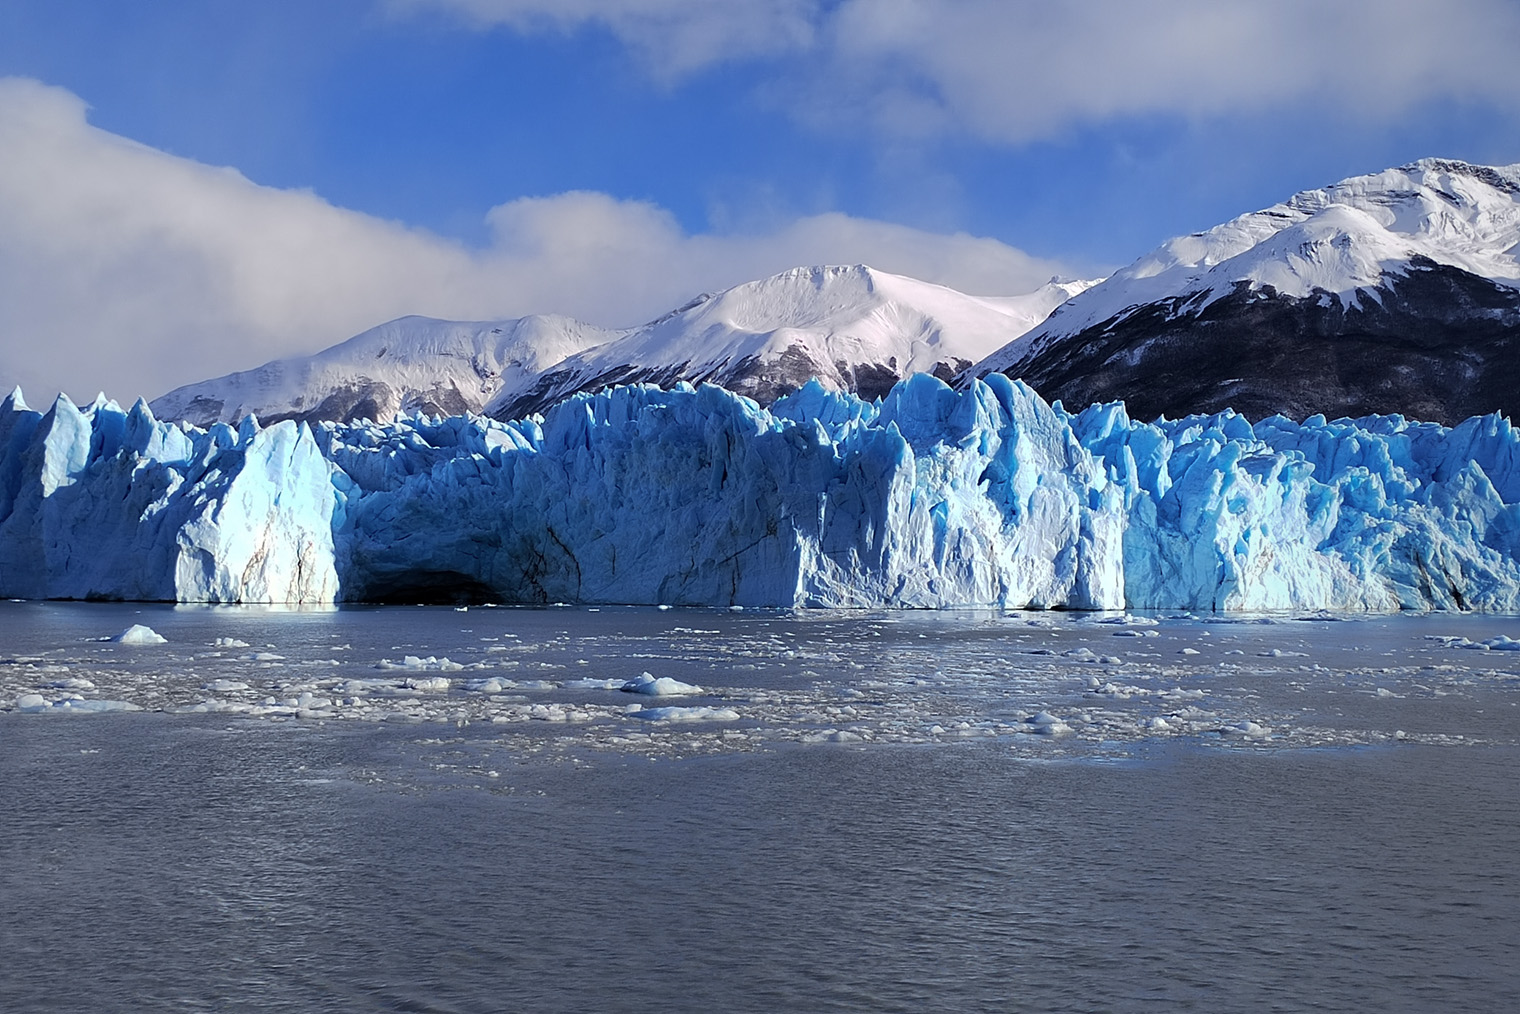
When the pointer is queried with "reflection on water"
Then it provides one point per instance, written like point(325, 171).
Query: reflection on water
point(186, 860)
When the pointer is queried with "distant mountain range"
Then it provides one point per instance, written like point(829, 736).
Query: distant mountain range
point(1393, 292)
point(854, 328)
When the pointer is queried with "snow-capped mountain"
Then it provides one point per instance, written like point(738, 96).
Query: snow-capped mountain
point(414, 364)
point(1393, 292)
point(855, 329)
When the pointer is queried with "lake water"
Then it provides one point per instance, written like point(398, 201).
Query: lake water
point(857, 812)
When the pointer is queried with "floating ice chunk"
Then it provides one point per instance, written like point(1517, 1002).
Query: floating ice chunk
point(370, 686)
point(672, 713)
point(1118, 691)
point(663, 686)
point(594, 684)
point(1046, 724)
point(1500, 643)
point(71, 683)
point(833, 736)
point(429, 664)
point(138, 633)
point(494, 685)
point(94, 707)
point(550, 713)
point(262, 656)
point(225, 686)
point(230, 642)
point(427, 684)
point(1248, 730)
point(37, 704)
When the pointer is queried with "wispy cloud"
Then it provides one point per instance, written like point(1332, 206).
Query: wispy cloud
point(673, 37)
point(1017, 71)
point(127, 269)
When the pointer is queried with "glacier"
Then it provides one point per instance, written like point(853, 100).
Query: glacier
point(928, 498)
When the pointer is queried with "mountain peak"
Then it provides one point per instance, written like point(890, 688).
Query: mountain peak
point(1396, 291)
point(1502, 178)
point(1338, 239)
point(852, 327)
point(855, 327)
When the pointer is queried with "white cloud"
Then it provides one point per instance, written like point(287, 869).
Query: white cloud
point(126, 269)
point(1017, 70)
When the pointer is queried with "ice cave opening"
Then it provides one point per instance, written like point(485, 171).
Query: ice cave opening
point(429, 588)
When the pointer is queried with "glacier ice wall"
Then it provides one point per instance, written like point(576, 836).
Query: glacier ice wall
point(930, 498)
point(101, 503)
point(700, 497)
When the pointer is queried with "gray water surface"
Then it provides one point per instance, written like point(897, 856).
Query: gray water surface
point(461, 855)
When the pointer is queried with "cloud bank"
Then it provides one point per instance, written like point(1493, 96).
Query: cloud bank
point(129, 270)
point(1018, 70)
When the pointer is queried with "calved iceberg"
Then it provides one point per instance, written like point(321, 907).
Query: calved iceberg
point(697, 496)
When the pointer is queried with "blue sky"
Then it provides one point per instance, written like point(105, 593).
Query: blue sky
point(639, 151)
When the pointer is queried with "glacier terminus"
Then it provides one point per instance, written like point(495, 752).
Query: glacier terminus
point(929, 497)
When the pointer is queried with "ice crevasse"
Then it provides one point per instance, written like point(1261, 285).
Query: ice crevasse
point(929, 498)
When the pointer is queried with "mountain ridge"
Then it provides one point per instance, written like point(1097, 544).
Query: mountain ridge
point(1327, 303)
point(856, 328)
point(1391, 292)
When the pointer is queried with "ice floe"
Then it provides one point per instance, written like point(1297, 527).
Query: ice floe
point(138, 633)
point(661, 686)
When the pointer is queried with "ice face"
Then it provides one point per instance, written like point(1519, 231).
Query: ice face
point(929, 498)
point(101, 503)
